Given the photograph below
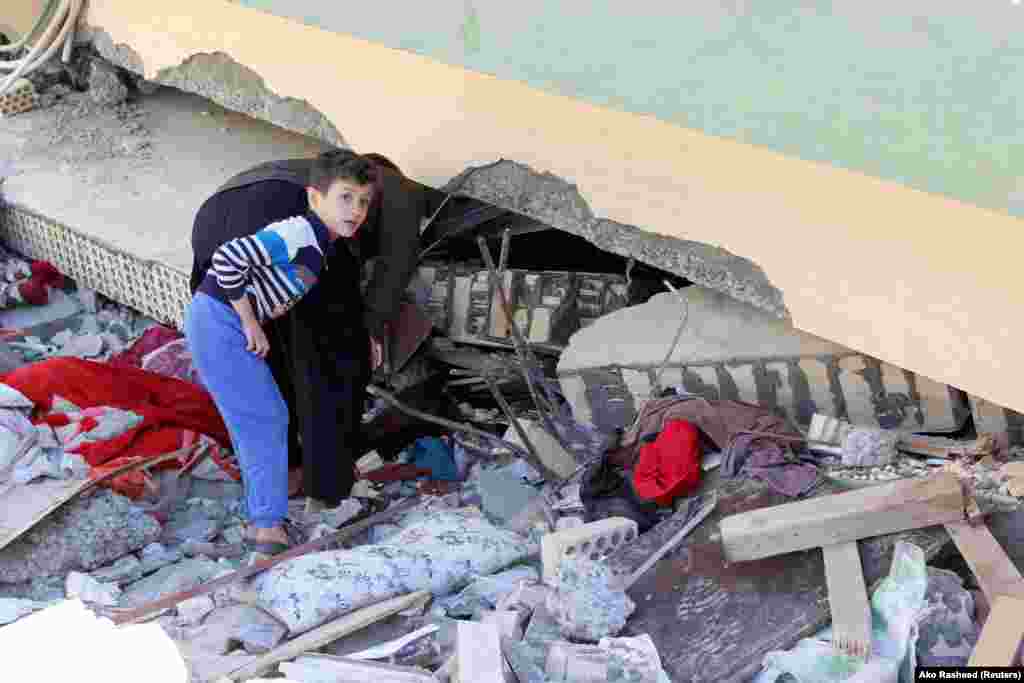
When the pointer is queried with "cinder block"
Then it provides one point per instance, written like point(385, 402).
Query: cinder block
point(595, 540)
point(20, 98)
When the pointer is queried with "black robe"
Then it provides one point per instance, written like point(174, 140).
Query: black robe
point(319, 351)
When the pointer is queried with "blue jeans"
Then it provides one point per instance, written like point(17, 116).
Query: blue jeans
point(249, 401)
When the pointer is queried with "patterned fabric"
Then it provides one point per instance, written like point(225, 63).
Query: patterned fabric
point(276, 266)
point(436, 550)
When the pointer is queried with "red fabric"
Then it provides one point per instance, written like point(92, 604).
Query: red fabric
point(669, 466)
point(151, 340)
point(167, 405)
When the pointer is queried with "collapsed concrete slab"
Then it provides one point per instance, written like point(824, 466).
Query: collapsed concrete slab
point(730, 350)
point(87, 534)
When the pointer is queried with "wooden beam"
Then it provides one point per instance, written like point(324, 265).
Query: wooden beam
point(843, 517)
point(848, 599)
point(328, 633)
point(1001, 635)
point(995, 572)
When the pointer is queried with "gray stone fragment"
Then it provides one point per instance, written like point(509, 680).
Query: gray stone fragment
point(89, 590)
point(503, 495)
point(193, 610)
point(540, 634)
point(125, 570)
point(261, 635)
point(105, 86)
point(157, 556)
point(84, 535)
point(182, 576)
point(12, 609)
point(234, 625)
point(196, 521)
point(40, 589)
point(588, 603)
point(522, 658)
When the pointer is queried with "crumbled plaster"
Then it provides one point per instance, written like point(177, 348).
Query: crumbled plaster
point(219, 78)
point(555, 202)
point(506, 184)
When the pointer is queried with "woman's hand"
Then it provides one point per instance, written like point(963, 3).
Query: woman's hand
point(376, 353)
point(256, 339)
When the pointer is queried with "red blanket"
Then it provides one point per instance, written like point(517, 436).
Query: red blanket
point(169, 407)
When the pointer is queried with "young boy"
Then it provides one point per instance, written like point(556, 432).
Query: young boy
point(252, 280)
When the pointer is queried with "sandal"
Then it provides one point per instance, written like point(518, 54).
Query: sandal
point(270, 548)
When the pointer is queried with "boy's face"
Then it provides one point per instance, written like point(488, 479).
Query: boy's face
point(343, 207)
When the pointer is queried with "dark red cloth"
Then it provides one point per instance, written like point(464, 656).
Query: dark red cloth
point(669, 466)
point(151, 340)
point(168, 406)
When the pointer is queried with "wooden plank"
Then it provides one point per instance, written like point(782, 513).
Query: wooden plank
point(828, 520)
point(328, 633)
point(478, 648)
point(714, 620)
point(315, 668)
point(995, 572)
point(848, 599)
point(22, 507)
point(1000, 638)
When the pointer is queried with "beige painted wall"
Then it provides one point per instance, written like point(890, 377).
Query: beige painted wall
point(921, 282)
point(19, 15)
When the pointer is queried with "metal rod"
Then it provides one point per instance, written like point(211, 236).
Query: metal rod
point(506, 239)
point(447, 424)
point(534, 458)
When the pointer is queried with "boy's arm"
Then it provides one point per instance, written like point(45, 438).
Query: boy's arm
point(233, 260)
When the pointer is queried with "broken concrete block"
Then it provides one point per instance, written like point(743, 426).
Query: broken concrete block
point(105, 86)
point(89, 590)
point(86, 534)
point(227, 627)
point(588, 602)
point(12, 609)
point(193, 610)
point(519, 657)
point(194, 522)
point(181, 576)
point(157, 556)
point(594, 541)
point(345, 511)
point(629, 659)
point(487, 591)
point(123, 571)
point(503, 495)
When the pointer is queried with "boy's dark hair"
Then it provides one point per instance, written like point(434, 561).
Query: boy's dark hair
point(340, 164)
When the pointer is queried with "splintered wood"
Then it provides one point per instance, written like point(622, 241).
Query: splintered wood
point(20, 98)
point(805, 524)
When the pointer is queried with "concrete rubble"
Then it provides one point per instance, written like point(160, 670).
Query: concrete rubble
point(473, 541)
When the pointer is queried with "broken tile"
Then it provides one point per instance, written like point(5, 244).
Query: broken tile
point(503, 495)
point(193, 610)
point(191, 523)
point(181, 576)
point(124, 570)
point(588, 602)
point(86, 534)
point(157, 556)
point(89, 590)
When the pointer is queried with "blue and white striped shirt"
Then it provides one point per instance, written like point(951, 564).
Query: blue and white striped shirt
point(275, 267)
